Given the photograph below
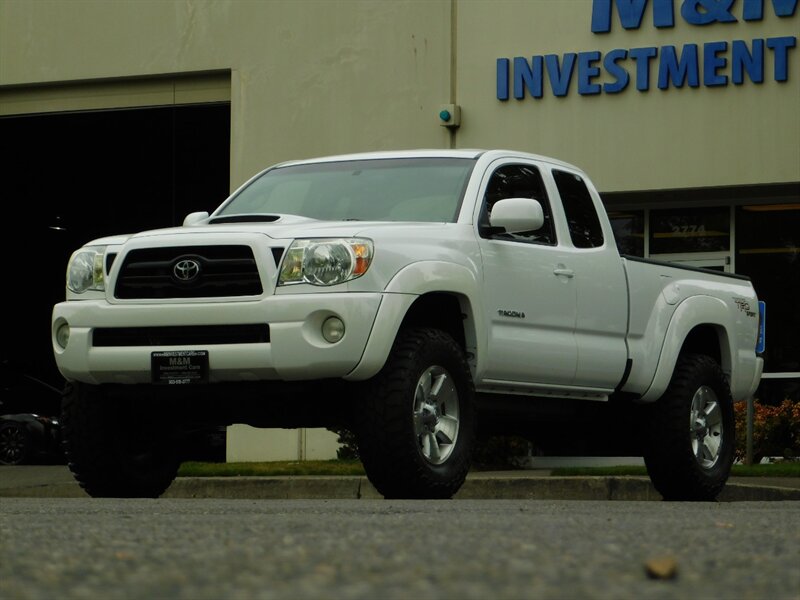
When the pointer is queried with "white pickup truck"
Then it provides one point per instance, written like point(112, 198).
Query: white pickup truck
point(409, 296)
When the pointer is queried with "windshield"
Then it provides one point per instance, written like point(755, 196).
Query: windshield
point(398, 189)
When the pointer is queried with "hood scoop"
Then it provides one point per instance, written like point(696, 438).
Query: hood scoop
point(244, 219)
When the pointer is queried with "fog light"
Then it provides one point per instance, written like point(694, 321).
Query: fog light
point(333, 329)
point(62, 335)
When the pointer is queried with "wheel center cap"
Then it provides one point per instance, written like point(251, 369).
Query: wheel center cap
point(700, 427)
point(429, 416)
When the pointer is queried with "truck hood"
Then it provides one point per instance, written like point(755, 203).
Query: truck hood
point(285, 227)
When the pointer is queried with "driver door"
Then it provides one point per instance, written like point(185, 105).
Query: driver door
point(530, 297)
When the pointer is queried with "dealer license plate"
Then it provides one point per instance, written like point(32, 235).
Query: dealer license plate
point(179, 367)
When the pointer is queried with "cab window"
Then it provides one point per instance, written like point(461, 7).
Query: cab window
point(584, 226)
point(517, 181)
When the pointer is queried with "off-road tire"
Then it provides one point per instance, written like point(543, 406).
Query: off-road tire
point(674, 467)
point(114, 448)
point(390, 448)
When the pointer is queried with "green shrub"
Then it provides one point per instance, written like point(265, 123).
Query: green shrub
point(776, 430)
point(349, 446)
point(500, 451)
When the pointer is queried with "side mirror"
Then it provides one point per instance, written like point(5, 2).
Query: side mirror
point(517, 214)
point(194, 218)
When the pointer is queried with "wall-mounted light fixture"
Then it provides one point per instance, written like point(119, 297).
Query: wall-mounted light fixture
point(450, 115)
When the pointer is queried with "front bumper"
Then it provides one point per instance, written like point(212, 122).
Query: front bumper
point(296, 349)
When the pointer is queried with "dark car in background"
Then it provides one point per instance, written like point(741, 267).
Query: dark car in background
point(29, 438)
point(30, 431)
point(22, 392)
point(29, 409)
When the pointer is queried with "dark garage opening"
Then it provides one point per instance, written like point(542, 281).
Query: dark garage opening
point(72, 177)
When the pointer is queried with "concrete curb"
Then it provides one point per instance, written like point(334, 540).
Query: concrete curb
point(49, 490)
point(353, 488)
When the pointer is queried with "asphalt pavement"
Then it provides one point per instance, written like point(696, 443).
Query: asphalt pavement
point(56, 481)
point(206, 549)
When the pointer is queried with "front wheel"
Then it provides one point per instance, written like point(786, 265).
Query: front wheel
point(690, 447)
point(118, 447)
point(415, 421)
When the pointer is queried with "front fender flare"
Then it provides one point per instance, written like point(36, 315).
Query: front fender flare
point(411, 282)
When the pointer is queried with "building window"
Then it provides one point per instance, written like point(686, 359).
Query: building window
point(681, 230)
point(628, 226)
point(768, 251)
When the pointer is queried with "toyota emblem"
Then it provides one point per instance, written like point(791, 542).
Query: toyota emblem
point(186, 270)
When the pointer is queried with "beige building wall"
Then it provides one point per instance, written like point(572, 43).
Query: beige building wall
point(319, 77)
point(248, 444)
point(307, 78)
point(675, 138)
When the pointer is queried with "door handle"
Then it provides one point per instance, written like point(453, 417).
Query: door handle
point(563, 272)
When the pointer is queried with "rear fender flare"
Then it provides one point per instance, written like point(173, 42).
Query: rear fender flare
point(692, 312)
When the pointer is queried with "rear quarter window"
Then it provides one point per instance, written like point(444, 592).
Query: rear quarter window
point(584, 225)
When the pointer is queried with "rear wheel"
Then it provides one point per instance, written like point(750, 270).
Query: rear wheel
point(416, 419)
point(116, 447)
point(690, 447)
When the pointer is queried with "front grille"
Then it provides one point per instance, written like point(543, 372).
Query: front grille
point(192, 335)
point(221, 271)
point(110, 261)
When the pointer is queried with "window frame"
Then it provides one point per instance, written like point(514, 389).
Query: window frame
point(485, 232)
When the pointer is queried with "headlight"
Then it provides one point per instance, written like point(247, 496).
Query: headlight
point(325, 261)
point(85, 270)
